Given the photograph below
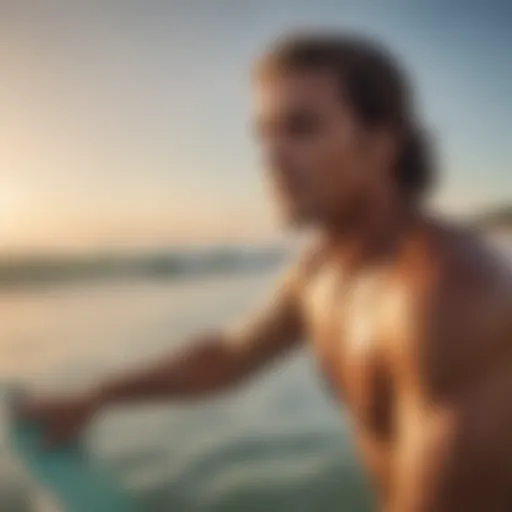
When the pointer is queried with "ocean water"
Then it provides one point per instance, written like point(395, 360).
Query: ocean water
point(277, 444)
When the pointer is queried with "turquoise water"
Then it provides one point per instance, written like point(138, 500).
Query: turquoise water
point(276, 444)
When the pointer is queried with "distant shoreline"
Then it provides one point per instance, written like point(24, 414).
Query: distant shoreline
point(178, 263)
point(499, 219)
point(171, 264)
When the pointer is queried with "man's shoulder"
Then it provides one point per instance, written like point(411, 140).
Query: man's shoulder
point(459, 314)
point(455, 261)
point(461, 291)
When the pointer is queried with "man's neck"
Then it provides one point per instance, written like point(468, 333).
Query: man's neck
point(375, 235)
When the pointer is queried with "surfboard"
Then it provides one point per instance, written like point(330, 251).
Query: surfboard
point(75, 480)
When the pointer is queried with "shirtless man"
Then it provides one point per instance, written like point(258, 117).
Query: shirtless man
point(411, 318)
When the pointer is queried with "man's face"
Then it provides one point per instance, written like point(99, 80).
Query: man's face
point(316, 153)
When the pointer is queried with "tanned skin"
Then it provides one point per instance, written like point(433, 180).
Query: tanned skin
point(411, 318)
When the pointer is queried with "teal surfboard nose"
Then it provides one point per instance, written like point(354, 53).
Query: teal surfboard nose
point(70, 475)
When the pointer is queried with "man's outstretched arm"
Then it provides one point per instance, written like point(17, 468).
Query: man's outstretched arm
point(219, 360)
point(213, 363)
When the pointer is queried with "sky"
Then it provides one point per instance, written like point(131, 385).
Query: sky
point(127, 123)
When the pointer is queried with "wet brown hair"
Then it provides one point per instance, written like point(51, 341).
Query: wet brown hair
point(375, 85)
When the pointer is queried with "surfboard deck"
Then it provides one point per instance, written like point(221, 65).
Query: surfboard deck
point(77, 482)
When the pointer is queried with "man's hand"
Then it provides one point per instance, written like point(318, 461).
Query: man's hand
point(63, 419)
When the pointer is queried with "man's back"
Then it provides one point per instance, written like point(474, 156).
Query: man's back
point(420, 348)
